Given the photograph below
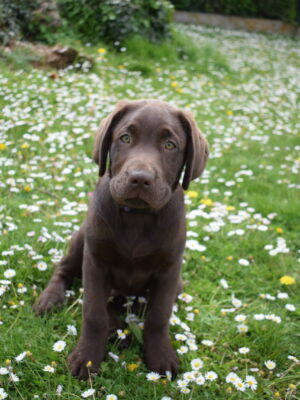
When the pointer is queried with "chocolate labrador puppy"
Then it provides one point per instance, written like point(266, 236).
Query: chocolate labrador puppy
point(132, 240)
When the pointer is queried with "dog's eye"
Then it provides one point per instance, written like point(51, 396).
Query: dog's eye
point(169, 145)
point(125, 138)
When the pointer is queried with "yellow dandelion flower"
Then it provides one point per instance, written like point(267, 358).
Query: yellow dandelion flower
point(229, 258)
point(174, 84)
point(101, 50)
point(2, 146)
point(230, 208)
point(7, 362)
point(27, 188)
point(132, 367)
point(287, 280)
point(276, 394)
point(192, 194)
point(24, 146)
point(228, 112)
point(89, 364)
point(208, 202)
point(279, 230)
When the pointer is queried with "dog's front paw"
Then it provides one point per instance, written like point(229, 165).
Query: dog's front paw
point(84, 359)
point(160, 357)
point(48, 299)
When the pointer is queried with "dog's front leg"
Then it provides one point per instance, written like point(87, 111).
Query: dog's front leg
point(159, 354)
point(91, 345)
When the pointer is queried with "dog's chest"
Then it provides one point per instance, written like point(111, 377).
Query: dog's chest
point(133, 268)
point(130, 280)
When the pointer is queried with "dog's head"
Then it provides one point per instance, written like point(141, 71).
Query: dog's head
point(149, 144)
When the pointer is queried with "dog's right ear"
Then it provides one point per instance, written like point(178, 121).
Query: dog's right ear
point(104, 135)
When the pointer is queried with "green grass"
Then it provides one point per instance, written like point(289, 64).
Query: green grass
point(244, 92)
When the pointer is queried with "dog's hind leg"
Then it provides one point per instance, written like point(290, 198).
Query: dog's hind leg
point(69, 268)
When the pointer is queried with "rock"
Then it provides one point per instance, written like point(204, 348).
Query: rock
point(58, 57)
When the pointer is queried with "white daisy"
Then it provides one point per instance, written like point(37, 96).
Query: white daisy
point(48, 368)
point(251, 382)
point(3, 394)
point(270, 364)
point(181, 337)
point(182, 349)
point(239, 384)
point(71, 329)
point(200, 380)
point(185, 390)
point(196, 364)
point(59, 345)
point(4, 371)
point(240, 318)
point(153, 376)
point(242, 328)
point(41, 266)
point(182, 383)
point(290, 307)
point(88, 393)
point(189, 376)
point(232, 378)
point(111, 397)
point(244, 350)
point(243, 262)
point(207, 343)
point(211, 376)
point(9, 273)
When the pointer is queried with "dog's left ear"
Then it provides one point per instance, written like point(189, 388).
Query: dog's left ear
point(104, 135)
point(196, 151)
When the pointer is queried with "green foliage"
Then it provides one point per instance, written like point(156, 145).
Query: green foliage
point(115, 20)
point(92, 20)
point(15, 17)
point(285, 10)
point(19, 20)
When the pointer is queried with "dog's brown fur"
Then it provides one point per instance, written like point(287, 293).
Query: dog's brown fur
point(132, 240)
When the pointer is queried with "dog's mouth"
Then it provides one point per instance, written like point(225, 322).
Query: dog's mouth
point(136, 202)
point(153, 199)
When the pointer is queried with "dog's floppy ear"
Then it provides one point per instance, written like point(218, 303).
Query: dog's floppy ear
point(196, 151)
point(104, 135)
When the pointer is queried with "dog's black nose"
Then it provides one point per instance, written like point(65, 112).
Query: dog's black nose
point(141, 178)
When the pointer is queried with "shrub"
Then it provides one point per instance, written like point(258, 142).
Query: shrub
point(29, 19)
point(15, 16)
point(285, 10)
point(115, 20)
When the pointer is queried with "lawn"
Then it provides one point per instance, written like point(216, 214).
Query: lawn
point(237, 323)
